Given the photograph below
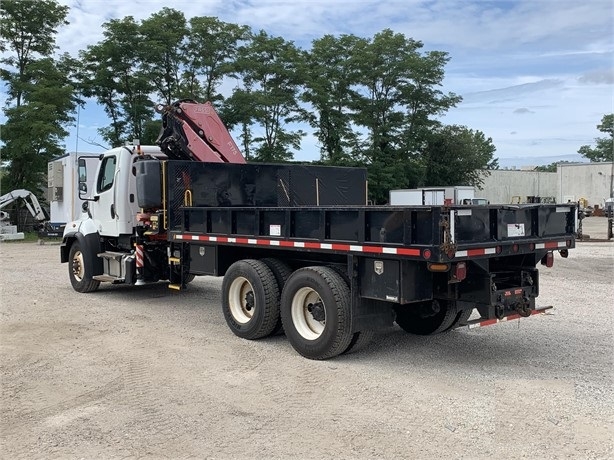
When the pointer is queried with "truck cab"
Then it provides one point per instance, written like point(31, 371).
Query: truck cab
point(112, 204)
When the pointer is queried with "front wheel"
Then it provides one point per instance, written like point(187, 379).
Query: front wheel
point(80, 277)
point(316, 312)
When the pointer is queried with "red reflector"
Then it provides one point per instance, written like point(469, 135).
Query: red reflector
point(532, 246)
point(548, 260)
point(498, 249)
point(460, 273)
point(426, 254)
point(515, 248)
point(568, 243)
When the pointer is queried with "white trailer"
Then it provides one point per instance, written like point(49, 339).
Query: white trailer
point(409, 197)
point(460, 194)
point(432, 196)
point(63, 192)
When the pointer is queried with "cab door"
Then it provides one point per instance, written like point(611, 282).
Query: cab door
point(104, 209)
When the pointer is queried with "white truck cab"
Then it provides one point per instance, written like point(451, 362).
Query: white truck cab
point(112, 203)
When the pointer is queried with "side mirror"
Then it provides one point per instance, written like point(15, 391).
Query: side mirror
point(82, 178)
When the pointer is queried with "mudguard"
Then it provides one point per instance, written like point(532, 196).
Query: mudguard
point(89, 239)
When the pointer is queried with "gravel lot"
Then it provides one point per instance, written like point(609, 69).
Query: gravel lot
point(151, 373)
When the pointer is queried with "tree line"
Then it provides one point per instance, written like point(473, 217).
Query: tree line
point(369, 101)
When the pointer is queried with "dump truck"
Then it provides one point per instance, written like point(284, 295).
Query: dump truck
point(299, 249)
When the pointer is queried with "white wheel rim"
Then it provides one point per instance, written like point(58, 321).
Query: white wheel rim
point(77, 266)
point(306, 325)
point(241, 309)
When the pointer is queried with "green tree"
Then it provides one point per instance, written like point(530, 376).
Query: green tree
point(161, 57)
point(33, 131)
point(210, 51)
point(398, 100)
point(40, 94)
point(546, 168)
point(238, 110)
point(604, 146)
point(111, 73)
point(455, 155)
point(27, 33)
point(552, 167)
point(269, 66)
point(331, 74)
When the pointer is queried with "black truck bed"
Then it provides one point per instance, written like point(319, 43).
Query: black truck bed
point(441, 233)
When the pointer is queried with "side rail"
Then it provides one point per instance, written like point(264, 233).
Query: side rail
point(430, 233)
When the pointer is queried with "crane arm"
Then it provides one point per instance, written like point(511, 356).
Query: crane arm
point(194, 131)
point(30, 201)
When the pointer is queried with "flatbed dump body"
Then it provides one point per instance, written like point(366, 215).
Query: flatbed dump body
point(298, 247)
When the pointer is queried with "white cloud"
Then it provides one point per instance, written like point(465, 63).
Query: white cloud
point(548, 60)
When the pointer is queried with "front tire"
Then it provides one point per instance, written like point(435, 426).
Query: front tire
point(80, 277)
point(316, 312)
point(250, 299)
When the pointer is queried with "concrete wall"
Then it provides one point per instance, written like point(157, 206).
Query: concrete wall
point(591, 181)
point(502, 185)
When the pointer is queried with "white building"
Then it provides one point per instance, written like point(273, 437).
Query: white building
point(571, 182)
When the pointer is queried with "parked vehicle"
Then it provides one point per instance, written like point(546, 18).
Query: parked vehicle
point(63, 193)
point(433, 196)
point(297, 246)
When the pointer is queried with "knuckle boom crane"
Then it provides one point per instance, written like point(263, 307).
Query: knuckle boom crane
point(298, 247)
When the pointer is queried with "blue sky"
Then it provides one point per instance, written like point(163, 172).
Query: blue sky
point(535, 75)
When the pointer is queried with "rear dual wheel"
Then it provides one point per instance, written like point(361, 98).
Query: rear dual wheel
point(316, 312)
point(250, 299)
point(281, 271)
point(446, 318)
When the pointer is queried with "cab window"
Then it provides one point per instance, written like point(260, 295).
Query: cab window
point(107, 174)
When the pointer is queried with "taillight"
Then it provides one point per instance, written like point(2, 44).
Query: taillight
point(548, 260)
point(460, 272)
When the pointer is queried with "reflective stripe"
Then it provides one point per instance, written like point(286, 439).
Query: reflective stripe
point(367, 249)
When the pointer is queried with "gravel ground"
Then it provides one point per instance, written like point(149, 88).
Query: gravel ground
point(151, 373)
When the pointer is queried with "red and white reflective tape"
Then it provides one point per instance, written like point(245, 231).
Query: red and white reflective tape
point(139, 256)
point(551, 245)
point(476, 252)
point(490, 322)
point(415, 252)
point(303, 244)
